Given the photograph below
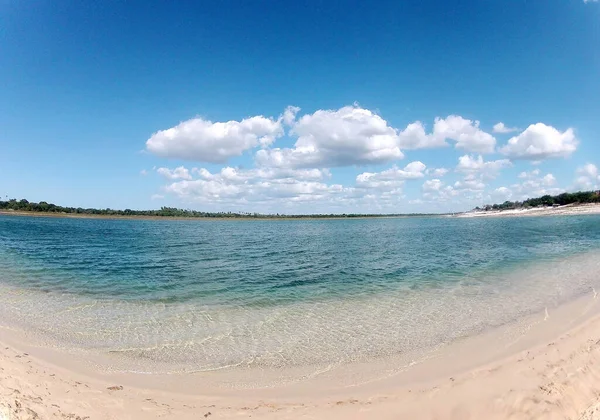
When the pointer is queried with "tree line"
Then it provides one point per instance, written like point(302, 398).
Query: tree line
point(580, 197)
point(24, 205)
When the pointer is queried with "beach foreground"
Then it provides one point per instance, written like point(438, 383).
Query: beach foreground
point(397, 318)
point(553, 379)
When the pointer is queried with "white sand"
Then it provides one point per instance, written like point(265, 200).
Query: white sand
point(567, 210)
point(550, 371)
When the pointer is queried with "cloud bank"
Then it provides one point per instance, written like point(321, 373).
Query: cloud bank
point(295, 157)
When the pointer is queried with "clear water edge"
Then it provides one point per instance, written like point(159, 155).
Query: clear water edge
point(387, 309)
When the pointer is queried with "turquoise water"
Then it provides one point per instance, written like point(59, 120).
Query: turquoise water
point(201, 295)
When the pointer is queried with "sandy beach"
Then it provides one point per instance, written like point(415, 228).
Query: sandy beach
point(551, 370)
point(568, 210)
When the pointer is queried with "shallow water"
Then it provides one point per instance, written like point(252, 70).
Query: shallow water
point(195, 295)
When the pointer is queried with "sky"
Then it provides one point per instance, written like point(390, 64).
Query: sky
point(305, 107)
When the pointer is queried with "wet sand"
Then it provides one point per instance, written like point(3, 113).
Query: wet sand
point(550, 370)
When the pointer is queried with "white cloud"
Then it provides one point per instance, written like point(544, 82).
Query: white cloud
point(414, 137)
point(437, 172)
point(143, 172)
point(435, 191)
point(527, 175)
point(590, 1)
point(471, 184)
point(502, 194)
point(295, 190)
point(289, 115)
point(235, 175)
point(392, 178)
point(471, 165)
point(348, 136)
point(202, 140)
point(501, 128)
point(589, 170)
point(466, 133)
point(540, 141)
point(548, 180)
point(177, 173)
point(353, 136)
point(224, 191)
point(157, 197)
point(535, 186)
point(433, 185)
point(233, 186)
point(588, 178)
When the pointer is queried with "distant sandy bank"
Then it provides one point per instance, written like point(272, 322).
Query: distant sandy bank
point(119, 217)
point(569, 209)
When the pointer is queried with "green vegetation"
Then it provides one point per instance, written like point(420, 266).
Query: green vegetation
point(580, 197)
point(44, 207)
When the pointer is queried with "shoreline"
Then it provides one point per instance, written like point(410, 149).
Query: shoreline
point(567, 210)
point(469, 376)
point(261, 218)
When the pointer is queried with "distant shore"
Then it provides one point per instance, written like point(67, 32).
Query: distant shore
point(567, 210)
point(139, 217)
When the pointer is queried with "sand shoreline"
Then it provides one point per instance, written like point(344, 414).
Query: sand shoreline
point(553, 371)
point(568, 210)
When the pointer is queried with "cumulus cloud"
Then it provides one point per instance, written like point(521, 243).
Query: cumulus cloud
point(588, 177)
point(534, 185)
point(437, 172)
point(501, 128)
point(548, 180)
point(289, 115)
point(415, 137)
point(177, 173)
point(327, 138)
point(392, 178)
point(470, 183)
point(435, 191)
point(143, 172)
point(466, 133)
point(233, 184)
point(432, 185)
point(470, 165)
point(221, 190)
point(279, 189)
point(502, 194)
point(540, 141)
point(531, 174)
point(206, 141)
point(353, 135)
point(589, 169)
point(236, 175)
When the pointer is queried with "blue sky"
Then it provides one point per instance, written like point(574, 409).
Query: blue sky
point(332, 106)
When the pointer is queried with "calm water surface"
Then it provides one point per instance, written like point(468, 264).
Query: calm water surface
point(202, 295)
